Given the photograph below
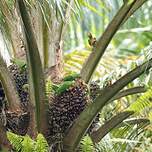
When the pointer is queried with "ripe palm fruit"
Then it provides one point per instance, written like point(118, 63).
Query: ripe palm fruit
point(17, 123)
point(66, 107)
point(94, 89)
point(2, 106)
point(94, 92)
point(2, 97)
point(14, 122)
point(20, 76)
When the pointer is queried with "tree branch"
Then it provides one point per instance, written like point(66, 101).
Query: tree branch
point(9, 87)
point(130, 91)
point(36, 80)
point(134, 121)
point(116, 120)
point(101, 45)
point(96, 136)
point(85, 119)
point(97, 52)
point(135, 7)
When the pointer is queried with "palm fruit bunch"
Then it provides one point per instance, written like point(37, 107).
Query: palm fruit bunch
point(94, 89)
point(17, 123)
point(2, 105)
point(20, 76)
point(94, 92)
point(14, 121)
point(70, 99)
point(2, 97)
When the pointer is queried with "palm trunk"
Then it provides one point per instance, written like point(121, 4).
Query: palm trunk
point(48, 37)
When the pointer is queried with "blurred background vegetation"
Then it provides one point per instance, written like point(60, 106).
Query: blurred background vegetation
point(129, 47)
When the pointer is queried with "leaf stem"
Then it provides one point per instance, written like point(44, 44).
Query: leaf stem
point(96, 136)
point(79, 128)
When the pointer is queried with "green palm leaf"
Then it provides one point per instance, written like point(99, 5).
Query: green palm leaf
point(27, 144)
point(75, 59)
point(143, 102)
point(41, 144)
point(15, 140)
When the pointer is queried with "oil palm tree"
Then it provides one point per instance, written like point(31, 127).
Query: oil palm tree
point(67, 113)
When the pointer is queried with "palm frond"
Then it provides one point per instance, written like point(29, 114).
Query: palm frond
point(26, 144)
point(41, 144)
point(143, 102)
point(48, 87)
point(91, 7)
point(76, 58)
point(109, 125)
point(86, 144)
point(122, 139)
point(127, 137)
point(15, 140)
point(101, 45)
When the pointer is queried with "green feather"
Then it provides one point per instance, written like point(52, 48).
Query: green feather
point(55, 87)
point(18, 62)
point(64, 86)
point(71, 77)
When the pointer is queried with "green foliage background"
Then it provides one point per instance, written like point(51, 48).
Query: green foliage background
point(129, 47)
